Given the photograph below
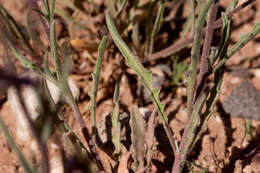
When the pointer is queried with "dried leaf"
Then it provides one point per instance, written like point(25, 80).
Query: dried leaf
point(149, 138)
point(137, 125)
point(80, 44)
point(123, 163)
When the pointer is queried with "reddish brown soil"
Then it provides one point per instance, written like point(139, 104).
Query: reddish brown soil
point(224, 147)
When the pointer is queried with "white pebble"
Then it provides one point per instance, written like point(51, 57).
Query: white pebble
point(56, 165)
point(55, 91)
point(32, 104)
point(257, 73)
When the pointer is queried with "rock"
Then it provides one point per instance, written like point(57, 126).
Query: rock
point(55, 91)
point(56, 165)
point(244, 101)
point(31, 102)
point(242, 73)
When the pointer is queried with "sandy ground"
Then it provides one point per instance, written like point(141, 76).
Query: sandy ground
point(223, 148)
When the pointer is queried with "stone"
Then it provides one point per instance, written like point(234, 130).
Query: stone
point(244, 101)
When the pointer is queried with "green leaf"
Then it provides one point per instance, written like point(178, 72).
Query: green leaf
point(46, 65)
point(116, 126)
point(145, 75)
point(47, 8)
point(241, 43)
point(15, 27)
point(120, 8)
point(95, 75)
point(51, 11)
point(179, 69)
point(27, 63)
point(149, 23)
point(157, 26)
point(54, 50)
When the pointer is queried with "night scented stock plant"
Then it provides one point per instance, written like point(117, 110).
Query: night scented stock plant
point(199, 95)
point(211, 63)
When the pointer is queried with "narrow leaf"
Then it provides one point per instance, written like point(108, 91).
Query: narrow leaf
point(241, 43)
point(120, 8)
point(26, 62)
point(112, 7)
point(16, 27)
point(146, 76)
point(51, 11)
point(93, 95)
point(46, 65)
point(54, 50)
point(157, 26)
point(46, 6)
